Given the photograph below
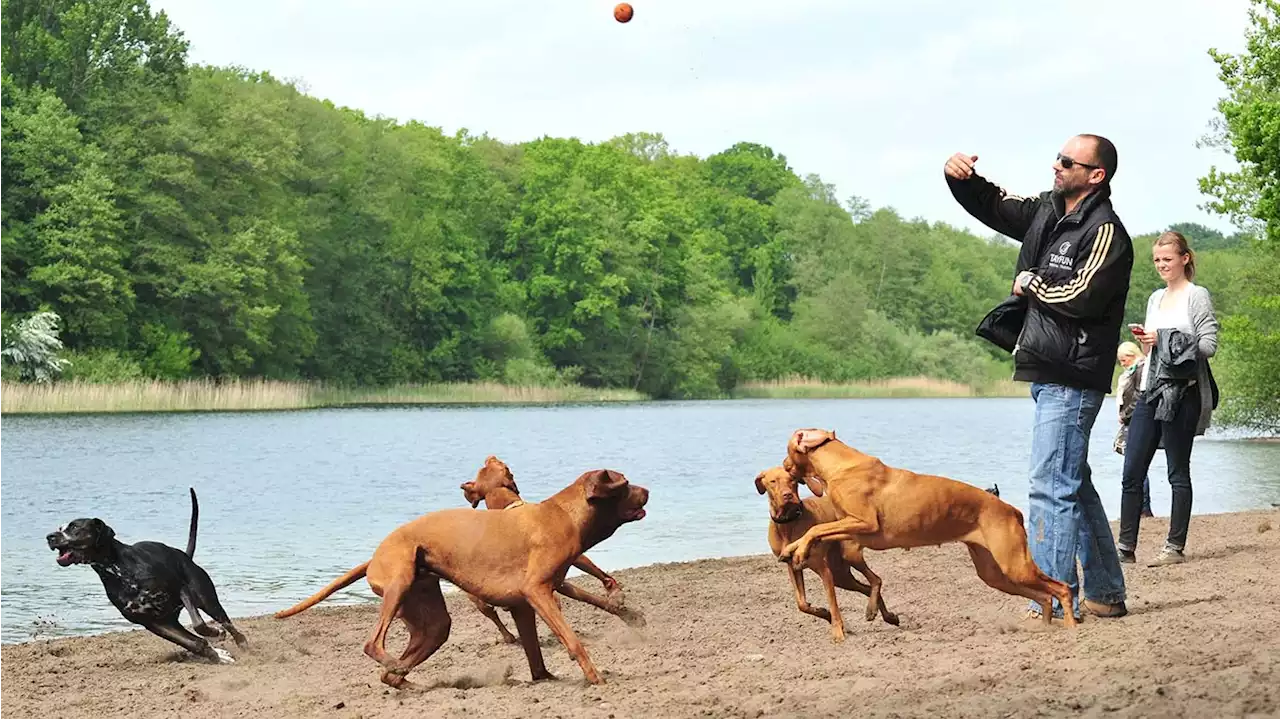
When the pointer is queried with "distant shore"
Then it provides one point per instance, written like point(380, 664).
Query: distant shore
point(265, 395)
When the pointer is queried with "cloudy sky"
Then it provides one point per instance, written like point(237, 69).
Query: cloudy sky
point(871, 96)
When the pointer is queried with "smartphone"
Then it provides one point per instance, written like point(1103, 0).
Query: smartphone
point(1136, 329)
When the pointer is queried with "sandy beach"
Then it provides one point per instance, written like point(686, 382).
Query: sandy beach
point(724, 639)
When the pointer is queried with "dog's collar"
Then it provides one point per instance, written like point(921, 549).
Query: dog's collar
point(517, 503)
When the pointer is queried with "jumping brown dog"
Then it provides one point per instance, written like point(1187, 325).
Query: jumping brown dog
point(884, 507)
point(496, 487)
point(513, 558)
point(790, 519)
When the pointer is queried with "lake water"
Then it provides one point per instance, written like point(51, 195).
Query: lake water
point(290, 500)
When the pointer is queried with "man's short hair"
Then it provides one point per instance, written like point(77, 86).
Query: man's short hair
point(1106, 152)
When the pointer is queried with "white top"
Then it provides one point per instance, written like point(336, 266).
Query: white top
point(1176, 317)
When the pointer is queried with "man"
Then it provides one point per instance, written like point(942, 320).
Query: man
point(1072, 277)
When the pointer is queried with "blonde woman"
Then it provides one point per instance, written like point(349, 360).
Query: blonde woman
point(1176, 394)
point(1131, 360)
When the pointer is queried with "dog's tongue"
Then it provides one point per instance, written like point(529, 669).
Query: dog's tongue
point(64, 558)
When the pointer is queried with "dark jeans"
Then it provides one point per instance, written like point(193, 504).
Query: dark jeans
point(1145, 433)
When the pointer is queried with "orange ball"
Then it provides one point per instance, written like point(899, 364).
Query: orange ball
point(622, 12)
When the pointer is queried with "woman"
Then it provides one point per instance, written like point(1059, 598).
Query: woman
point(1175, 398)
point(1131, 361)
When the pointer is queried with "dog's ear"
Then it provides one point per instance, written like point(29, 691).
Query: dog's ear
point(815, 484)
point(105, 533)
point(760, 483)
point(602, 483)
point(509, 481)
point(469, 491)
point(807, 439)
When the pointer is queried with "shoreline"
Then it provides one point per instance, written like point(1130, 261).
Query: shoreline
point(68, 398)
point(724, 638)
point(581, 578)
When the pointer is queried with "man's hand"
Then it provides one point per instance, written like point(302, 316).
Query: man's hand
point(960, 166)
point(1022, 278)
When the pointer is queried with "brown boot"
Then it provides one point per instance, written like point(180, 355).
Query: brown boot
point(1106, 611)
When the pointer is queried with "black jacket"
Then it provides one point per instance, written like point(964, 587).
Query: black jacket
point(1174, 368)
point(1068, 320)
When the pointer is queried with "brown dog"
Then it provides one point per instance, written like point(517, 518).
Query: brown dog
point(496, 487)
point(791, 518)
point(513, 558)
point(883, 507)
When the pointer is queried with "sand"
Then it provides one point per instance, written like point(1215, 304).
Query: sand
point(724, 639)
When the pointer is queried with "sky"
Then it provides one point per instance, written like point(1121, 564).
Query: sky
point(870, 96)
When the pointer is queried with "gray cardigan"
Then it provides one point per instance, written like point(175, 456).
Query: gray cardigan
point(1205, 324)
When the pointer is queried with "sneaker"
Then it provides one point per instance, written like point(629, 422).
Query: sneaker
point(1166, 557)
point(1127, 556)
point(1106, 611)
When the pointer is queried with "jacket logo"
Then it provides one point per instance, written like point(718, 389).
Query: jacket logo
point(1060, 260)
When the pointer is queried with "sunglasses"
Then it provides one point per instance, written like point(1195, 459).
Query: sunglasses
point(1068, 163)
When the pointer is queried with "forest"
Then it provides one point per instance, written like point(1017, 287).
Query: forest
point(188, 221)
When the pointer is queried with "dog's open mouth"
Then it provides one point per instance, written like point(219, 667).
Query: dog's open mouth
point(65, 557)
point(634, 515)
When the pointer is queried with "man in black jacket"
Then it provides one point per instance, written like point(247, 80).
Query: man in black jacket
point(1072, 278)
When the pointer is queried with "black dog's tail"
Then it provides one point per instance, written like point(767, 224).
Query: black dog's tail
point(195, 518)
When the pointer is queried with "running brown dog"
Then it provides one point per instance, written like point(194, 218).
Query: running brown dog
point(791, 518)
point(496, 487)
point(884, 507)
point(513, 559)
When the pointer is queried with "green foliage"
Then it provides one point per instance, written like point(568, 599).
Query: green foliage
point(198, 222)
point(102, 366)
point(1249, 127)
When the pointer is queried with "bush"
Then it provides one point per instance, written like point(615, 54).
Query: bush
point(99, 366)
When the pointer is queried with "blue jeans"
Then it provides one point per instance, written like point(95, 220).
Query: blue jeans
point(1067, 519)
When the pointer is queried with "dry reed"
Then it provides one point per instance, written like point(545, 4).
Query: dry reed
point(252, 395)
point(807, 388)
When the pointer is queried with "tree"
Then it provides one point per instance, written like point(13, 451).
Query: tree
point(32, 346)
point(1250, 127)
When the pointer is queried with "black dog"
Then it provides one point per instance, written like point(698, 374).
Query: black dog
point(994, 490)
point(150, 582)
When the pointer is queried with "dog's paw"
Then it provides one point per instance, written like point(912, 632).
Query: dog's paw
point(224, 656)
point(632, 618)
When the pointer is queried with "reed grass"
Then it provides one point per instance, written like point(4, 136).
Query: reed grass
point(257, 395)
point(254, 395)
point(806, 388)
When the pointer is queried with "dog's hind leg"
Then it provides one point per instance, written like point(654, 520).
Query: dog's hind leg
point(170, 628)
point(1010, 551)
point(203, 595)
point(991, 573)
point(198, 624)
point(488, 610)
point(427, 618)
point(845, 580)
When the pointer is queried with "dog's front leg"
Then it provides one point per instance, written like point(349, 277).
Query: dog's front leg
point(841, 530)
point(610, 605)
point(802, 601)
point(173, 630)
point(543, 600)
point(611, 585)
point(829, 583)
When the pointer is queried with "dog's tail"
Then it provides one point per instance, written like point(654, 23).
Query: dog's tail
point(195, 518)
point(341, 582)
